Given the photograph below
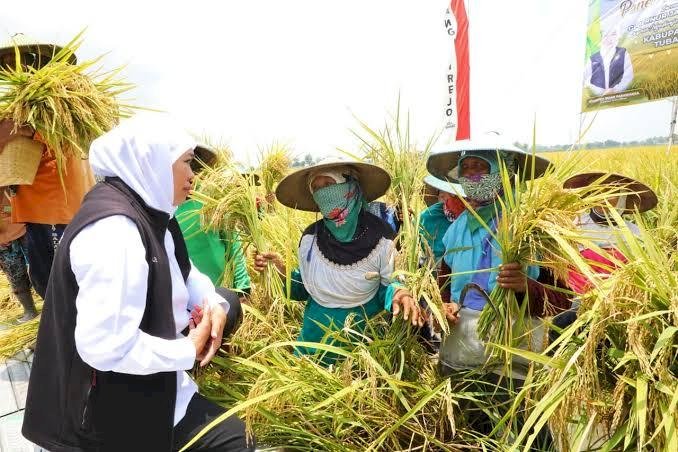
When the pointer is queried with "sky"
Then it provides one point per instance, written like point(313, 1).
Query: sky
point(299, 72)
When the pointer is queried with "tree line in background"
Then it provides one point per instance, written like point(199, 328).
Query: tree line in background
point(309, 159)
point(651, 141)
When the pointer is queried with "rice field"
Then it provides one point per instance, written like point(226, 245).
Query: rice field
point(610, 382)
point(294, 403)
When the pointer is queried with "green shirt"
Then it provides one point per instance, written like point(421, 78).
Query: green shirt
point(218, 255)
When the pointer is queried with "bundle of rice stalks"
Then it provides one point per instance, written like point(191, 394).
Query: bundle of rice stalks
point(534, 226)
point(69, 105)
point(296, 403)
point(5, 293)
point(612, 383)
point(14, 337)
point(220, 147)
point(229, 203)
point(274, 164)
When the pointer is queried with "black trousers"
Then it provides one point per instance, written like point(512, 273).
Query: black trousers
point(235, 314)
point(40, 244)
point(228, 435)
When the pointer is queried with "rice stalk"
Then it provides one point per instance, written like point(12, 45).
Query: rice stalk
point(229, 202)
point(393, 149)
point(69, 105)
point(297, 403)
point(18, 338)
point(274, 164)
point(535, 226)
point(621, 376)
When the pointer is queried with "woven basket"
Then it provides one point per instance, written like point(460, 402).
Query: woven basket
point(19, 161)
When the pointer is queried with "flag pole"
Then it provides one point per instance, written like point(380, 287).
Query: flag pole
point(672, 125)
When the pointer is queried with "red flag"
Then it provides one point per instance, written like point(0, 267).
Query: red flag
point(457, 110)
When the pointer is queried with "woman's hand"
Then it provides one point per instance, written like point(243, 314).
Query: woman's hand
point(213, 344)
point(511, 277)
point(200, 326)
point(261, 261)
point(403, 302)
point(451, 311)
point(216, 330)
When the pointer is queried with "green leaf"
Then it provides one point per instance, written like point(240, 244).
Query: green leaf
point(663, 340)
point(641, 408)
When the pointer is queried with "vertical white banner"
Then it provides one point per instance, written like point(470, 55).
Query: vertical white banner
point(449, 134)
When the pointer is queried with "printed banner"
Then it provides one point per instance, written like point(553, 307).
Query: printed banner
point(631, 52)
point(457, 105)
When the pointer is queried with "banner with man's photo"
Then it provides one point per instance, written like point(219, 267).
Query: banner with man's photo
point(631, 52)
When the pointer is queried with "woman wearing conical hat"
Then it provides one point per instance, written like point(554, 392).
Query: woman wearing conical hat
point(48, 204)
point(469, 247)
point(600, 226)
point(213, 252)
point(347, 257)
point(444, 206)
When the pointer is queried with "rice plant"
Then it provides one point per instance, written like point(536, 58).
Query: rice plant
point(69, 105)
point(535, 227)
point(17, 338)
point(230, 203)
point(393, 149)
point(14, 337)
point(612, 381)
point(299, 404)
point(274, 164)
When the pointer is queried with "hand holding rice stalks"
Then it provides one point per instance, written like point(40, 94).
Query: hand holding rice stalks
point(535, 227)
point(229, 201)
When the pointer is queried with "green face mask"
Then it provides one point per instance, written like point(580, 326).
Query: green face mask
point(340, 206)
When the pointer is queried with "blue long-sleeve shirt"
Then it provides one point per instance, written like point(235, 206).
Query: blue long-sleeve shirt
point(463, 249)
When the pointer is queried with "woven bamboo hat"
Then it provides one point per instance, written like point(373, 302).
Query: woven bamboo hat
point(204, 155)
point(443, 161)
point(638, 195)
point(293, 190)
point(434, 185)
point(27, 45)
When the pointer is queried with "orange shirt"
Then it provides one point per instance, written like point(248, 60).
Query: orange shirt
point(8, 231)
point(47, 201)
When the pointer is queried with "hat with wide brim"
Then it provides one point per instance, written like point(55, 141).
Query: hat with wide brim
point(293, 191)
point(642, 197)
point(443, 161)
point(25, 44)
point(434, 185)
point(206, 154)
